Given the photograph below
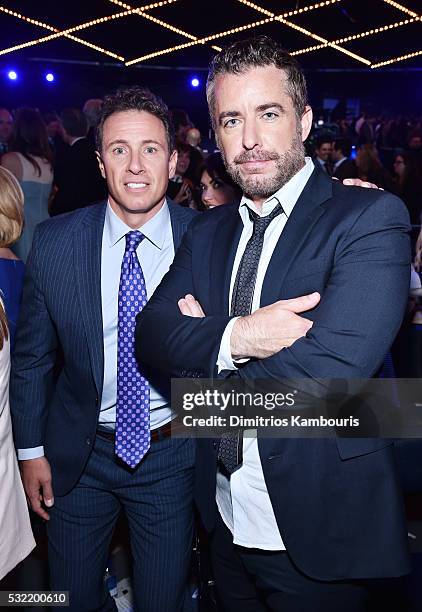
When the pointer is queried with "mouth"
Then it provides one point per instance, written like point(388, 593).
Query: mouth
point(255, 165)
point(136, 186)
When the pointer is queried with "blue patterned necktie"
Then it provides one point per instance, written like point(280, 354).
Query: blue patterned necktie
point(133, 435)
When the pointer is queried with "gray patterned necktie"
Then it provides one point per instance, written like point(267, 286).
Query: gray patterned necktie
point(230, 447)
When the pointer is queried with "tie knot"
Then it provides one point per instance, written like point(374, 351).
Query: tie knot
point(133, 239)
point(261, 223)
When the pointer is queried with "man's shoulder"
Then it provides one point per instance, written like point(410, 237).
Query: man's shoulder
point(56, 227)
point(215, 216)
point(181, 214)
point(356, 200)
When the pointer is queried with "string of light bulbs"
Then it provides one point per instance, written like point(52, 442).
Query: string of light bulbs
point(67, 33)
point(393, 60)
point(372, 32)
point(159, 22)
point(325, 42)
point(270, 17)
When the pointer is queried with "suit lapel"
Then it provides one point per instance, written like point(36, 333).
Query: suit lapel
point(223, 255)
point(179, 218)
point(87, 257)
point(305, 214)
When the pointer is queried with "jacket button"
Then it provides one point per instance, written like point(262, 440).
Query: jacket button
point(97, 400)
point(88, 441)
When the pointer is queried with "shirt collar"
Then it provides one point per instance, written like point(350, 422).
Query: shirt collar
point(155, 230)
point(287, 195)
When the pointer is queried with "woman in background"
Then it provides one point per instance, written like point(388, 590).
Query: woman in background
point(30, 160)
point(408, 183)
point(216, 186)
point(370, 168)
point(11, 268)
point(16, 539)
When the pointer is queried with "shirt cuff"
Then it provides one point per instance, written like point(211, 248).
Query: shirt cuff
point(30, 453)
point(224, 359)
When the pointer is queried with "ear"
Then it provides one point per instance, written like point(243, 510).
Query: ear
point(172, 163)
point(100, 164)
point(306, 122)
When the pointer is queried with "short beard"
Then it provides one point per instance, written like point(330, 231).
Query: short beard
point(262, 187)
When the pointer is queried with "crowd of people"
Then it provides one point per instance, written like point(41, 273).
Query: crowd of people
point(306, 277)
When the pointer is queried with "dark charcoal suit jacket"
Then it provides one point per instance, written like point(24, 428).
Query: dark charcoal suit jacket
point(337, 502)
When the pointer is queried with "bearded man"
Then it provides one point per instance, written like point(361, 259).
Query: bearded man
point(295, 524)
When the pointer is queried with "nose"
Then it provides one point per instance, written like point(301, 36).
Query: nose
point(135, 164)
point(207, 195)
point(251, 137)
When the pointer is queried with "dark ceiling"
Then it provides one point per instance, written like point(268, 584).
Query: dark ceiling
point(133, 36)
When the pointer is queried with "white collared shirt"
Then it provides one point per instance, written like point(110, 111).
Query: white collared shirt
point(242, 499)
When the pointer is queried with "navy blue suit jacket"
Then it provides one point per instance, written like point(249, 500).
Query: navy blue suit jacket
point(61, 315)
point(337, 502)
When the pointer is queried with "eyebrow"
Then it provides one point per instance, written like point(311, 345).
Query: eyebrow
point(260, 109)
point(264, 107)
point(126, 142)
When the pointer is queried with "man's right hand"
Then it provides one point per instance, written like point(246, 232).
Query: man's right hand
point(272, 328)
point(36, 478)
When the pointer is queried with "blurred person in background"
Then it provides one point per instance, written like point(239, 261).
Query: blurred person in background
point(193, 138)
point(344, 167)
point(371, 169)
point(30, 160)
point(323, 150)
point(408, 183)
point(6, 130)
point(181, 123)
point(77, 177)
point(364, 130)
point(216, 185)
point(92, 111)
point(16, 539)
point(11, 268)
point(180, 188)
point(54, 130)
point(414, 142)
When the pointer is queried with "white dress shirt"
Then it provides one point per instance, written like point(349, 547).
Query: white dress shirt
point(155, 254)
point(242, 498)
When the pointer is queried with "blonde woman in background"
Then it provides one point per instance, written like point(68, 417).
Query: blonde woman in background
point(16, 539)
point(11, 267)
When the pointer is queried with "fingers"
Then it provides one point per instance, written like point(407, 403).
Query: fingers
point(359, 183)
point(301, 303)
point(48, 495)
point(190, 307)
point(35, 499)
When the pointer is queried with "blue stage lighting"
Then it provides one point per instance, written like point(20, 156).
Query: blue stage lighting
point(12, 75)
point(49, 77)
point(195, 82)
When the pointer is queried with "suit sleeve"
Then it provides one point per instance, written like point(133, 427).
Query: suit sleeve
point(362, 306)
point(355, 323)
point(33, 360)
point(169, 341)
